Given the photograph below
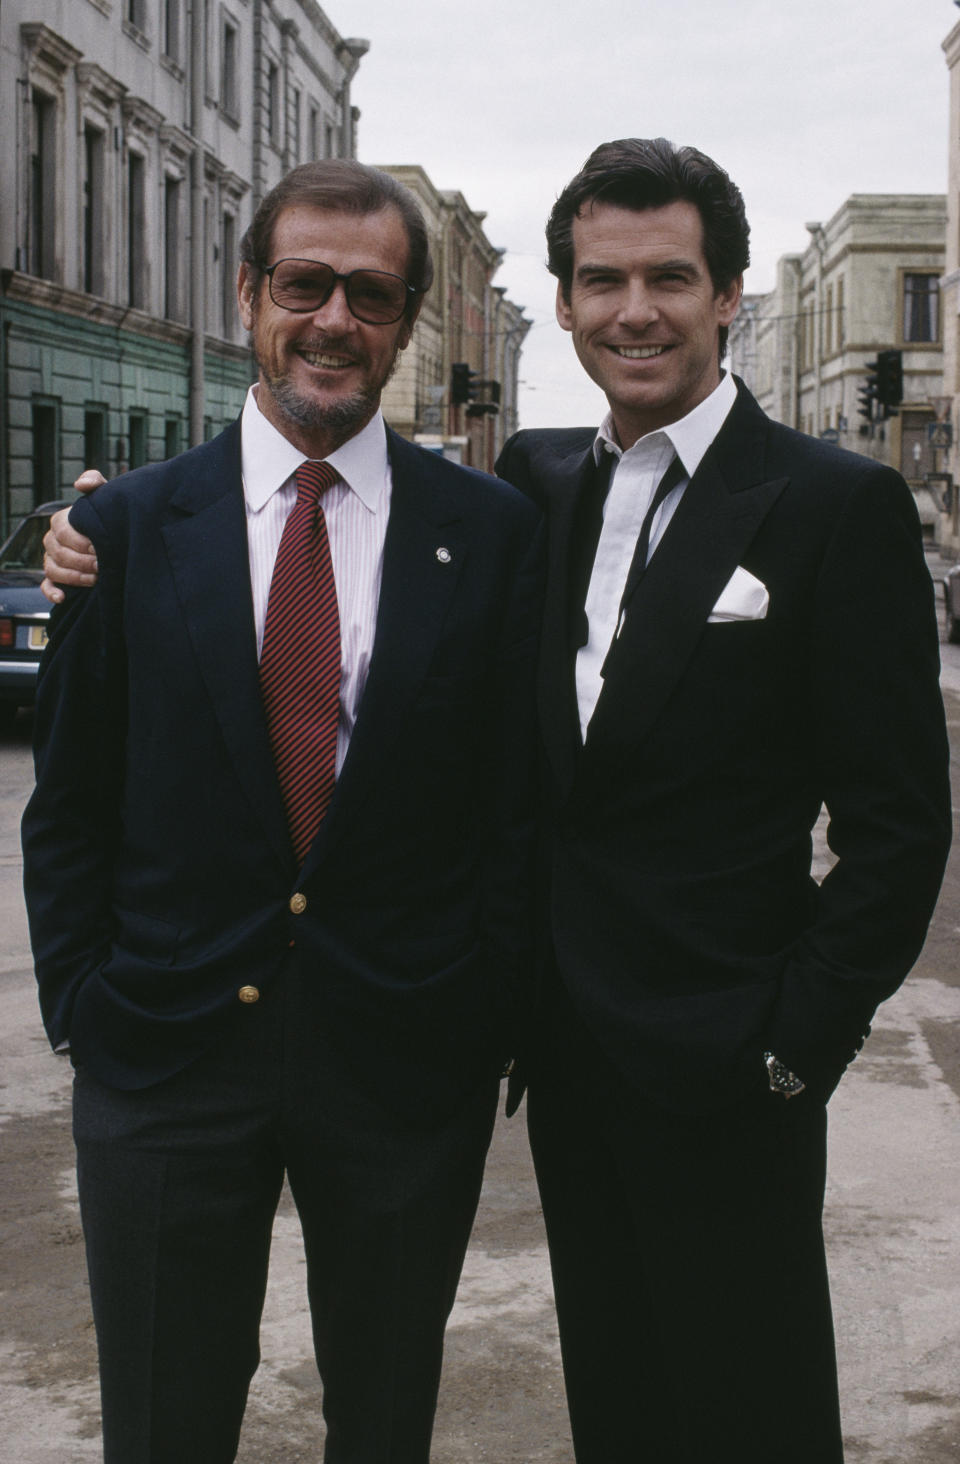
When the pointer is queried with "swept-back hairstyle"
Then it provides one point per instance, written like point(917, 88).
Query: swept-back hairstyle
point(643, 172)
point(343, 186)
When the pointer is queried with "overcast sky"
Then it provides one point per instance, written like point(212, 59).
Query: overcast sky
point(803, 104)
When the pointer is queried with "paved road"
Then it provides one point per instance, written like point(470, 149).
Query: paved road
point(893, 1222)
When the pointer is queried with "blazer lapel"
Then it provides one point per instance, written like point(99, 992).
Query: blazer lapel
point(715, 522)
point(423, 558)
point(567, 477)
point(206, 544)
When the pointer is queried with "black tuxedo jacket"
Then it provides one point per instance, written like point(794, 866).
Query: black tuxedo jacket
point(158, 865)
point(686, 926)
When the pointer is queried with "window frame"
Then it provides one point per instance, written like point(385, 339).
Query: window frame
point(932, 276)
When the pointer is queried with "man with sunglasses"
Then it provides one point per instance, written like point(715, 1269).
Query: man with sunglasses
point(277, 858)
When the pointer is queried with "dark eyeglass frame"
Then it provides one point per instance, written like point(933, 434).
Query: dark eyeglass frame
point(344, 279)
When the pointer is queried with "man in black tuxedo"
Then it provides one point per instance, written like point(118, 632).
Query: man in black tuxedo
point(269, 964)
point(739, 629)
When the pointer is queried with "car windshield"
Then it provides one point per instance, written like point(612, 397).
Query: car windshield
point(24, 548)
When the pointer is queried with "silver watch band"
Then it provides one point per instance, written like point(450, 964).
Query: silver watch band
point(782, 1080)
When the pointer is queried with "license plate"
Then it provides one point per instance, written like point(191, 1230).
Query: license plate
point(37, 637)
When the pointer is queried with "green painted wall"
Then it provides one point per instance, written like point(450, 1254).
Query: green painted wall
point(56, 369)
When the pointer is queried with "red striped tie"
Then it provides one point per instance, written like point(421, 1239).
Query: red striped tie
point(300, 660)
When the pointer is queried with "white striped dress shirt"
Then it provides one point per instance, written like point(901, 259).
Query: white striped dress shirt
point(356, 510)
point(633, 483)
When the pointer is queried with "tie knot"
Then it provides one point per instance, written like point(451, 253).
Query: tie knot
point(313, 478)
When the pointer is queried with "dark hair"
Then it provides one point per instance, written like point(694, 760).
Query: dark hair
point(344, 186)
point(640, 173)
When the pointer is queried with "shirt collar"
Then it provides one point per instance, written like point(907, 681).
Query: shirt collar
point(690, 436)
point(268, 459)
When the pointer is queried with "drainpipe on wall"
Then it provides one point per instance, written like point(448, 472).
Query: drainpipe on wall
point(198, 274)
point(793, 331)
point(819, 239)
point(259, 166)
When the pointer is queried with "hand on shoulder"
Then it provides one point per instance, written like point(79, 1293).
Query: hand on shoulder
point(69, 557)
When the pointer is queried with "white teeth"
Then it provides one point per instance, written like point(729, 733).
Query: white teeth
point(318, 358)
point(639, 353)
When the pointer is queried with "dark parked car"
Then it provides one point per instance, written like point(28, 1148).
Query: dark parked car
point(23, 610)
point(951, 595)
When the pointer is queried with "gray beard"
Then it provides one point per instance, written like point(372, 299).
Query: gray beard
point(342, 418)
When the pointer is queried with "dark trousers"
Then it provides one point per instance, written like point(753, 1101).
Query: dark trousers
point(689, 1269)
point(178, 1188)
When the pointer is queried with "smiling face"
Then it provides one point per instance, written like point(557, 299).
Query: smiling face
point(321, 373)
point(643, 312)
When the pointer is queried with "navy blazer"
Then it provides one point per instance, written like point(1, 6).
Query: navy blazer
point(158, 866)
point(685, 923)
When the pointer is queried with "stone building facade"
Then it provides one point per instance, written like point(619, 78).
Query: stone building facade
point(139, 137)
point(465, 318)
point(867, 281)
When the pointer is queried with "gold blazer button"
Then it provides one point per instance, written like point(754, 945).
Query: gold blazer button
point(298, 903)
point(248, 994)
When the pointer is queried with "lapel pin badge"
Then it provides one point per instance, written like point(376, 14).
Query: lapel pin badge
point(443, 555)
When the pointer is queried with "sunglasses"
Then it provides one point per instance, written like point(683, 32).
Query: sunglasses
point(372, 296)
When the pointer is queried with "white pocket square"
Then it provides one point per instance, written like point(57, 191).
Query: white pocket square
point(743, 597)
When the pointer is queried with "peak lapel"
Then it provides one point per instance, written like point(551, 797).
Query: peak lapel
point(567, 476)
point(206, 545)
point(718, 516)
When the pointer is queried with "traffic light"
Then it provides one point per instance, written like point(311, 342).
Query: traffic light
point(467, 389)
point(462, 382)
point(485, 399)
point(889, 381)
point(869, 392)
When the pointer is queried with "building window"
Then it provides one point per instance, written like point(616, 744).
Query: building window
point(227, 277)
point(137, 13)
point(295, 124)
point(841, 332)
point(828, 322)
point(138, 438)
point(228, 70)
point(273, 102)
point(212, 253)
point(41, 216)
point(802, 353)
point(171, 29)
point(93, 240)
point(136, 232)
point(313, 133)
point(331, 141)
point(172, 242)
point(171, 437)
point(921, 308)
point(45, 422)
point(95, 439)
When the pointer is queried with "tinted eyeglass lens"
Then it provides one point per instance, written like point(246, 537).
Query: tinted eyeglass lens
point(301, 285)
point(298, 285)
point(376, 297)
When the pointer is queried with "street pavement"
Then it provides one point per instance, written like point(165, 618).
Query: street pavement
point(892, 1218)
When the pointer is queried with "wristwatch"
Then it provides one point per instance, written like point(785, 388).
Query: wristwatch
point(782, 1080)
